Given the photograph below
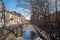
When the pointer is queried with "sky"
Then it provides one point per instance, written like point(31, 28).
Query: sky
point(53, 4)
point(11, 5)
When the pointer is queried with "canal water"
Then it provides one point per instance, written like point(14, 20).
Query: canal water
point(29, 34)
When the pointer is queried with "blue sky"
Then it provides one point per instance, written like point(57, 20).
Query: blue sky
point(11, 6)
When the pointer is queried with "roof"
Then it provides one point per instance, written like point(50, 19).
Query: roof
point(14, 13)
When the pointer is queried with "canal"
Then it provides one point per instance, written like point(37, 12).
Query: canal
point(29, 34)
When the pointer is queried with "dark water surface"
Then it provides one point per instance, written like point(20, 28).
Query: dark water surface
point(30, 33)
point(27, 35)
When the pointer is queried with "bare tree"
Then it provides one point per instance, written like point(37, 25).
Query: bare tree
point(42, 10)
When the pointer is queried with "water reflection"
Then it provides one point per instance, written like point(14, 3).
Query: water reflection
point(27, 35)
point(30, 33)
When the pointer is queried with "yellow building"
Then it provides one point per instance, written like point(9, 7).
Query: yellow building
point(13, 18)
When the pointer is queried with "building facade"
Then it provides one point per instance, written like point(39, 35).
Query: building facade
point(10, 18)
point(13, 18)
point(1, 11)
